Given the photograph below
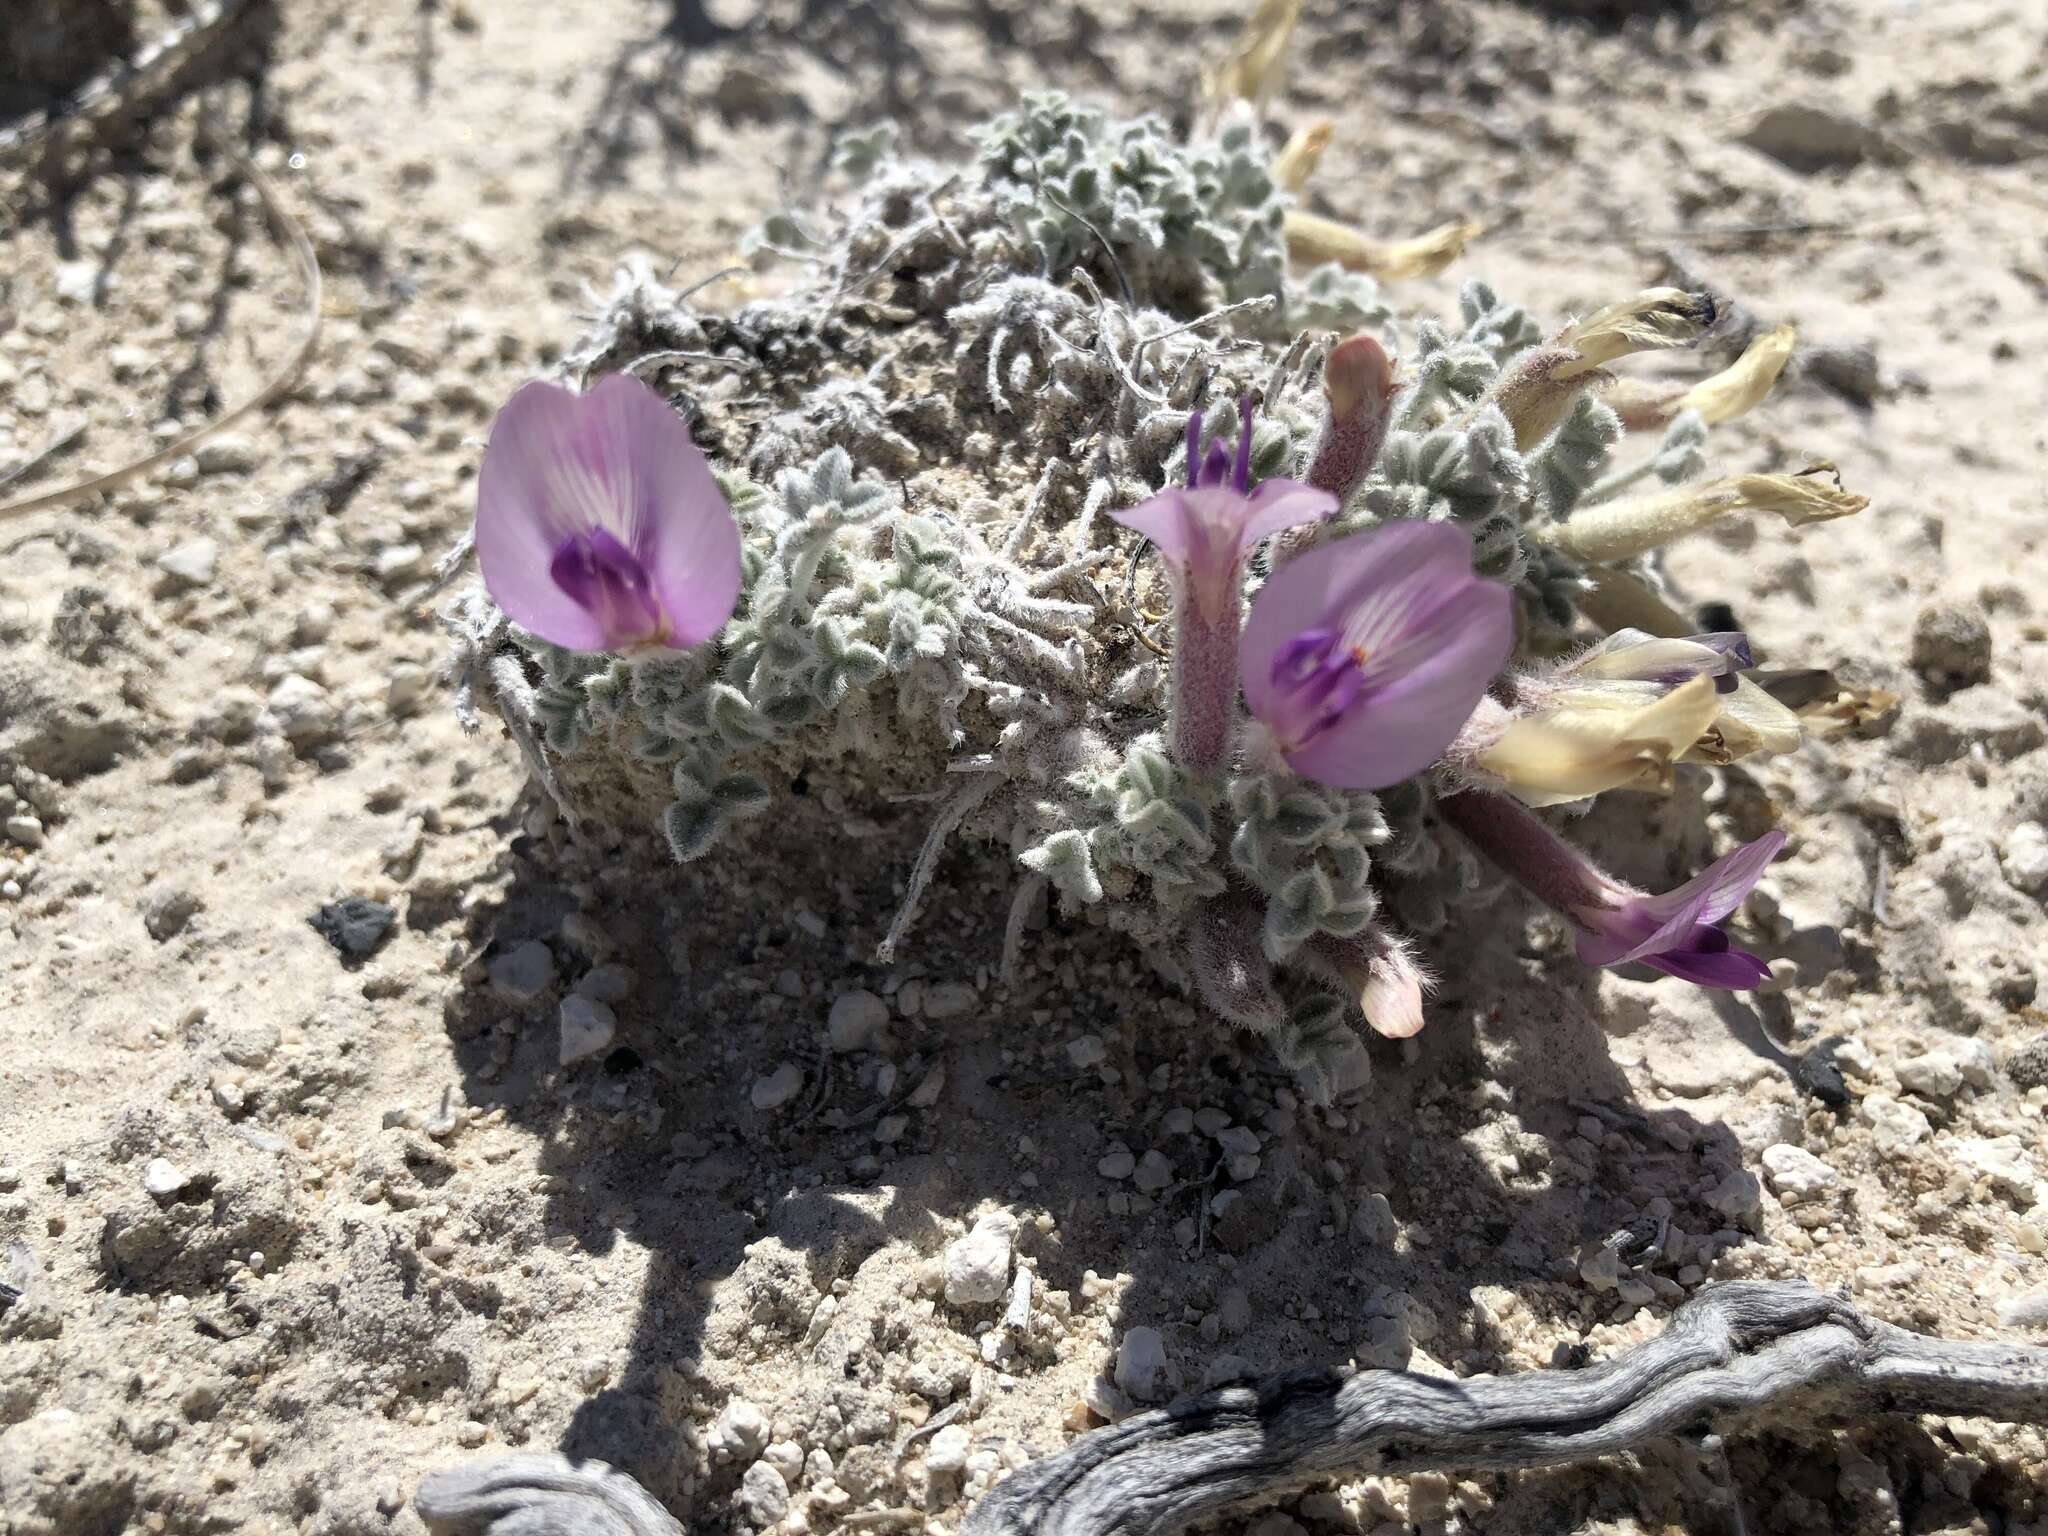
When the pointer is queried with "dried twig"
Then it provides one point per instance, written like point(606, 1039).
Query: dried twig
point(273, 388)
point(1737, 1355)
point(541, 1493)
point(1734, 1357)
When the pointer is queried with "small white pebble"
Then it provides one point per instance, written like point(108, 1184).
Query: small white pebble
point(778, 1087)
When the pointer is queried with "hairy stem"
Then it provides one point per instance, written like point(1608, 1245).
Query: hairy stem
point(1521, 844)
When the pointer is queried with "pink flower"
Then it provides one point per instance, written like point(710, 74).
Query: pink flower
point(598, 524)
point(1366, 655)
point(1203, 531)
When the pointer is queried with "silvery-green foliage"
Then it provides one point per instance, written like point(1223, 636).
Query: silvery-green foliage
point(1328, 298)
point(1183, 223)
point(1308, 848)
point(1320, 1047)
point(860, 152)
point(1502, 330)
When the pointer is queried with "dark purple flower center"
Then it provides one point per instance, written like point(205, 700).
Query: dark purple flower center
point(607, 580)
point(1316, 681)
point(1219, 466)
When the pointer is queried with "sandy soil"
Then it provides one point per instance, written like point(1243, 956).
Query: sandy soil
point(388, 1230)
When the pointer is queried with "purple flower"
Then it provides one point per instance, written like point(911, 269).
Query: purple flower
point(1205, 528)
point(1365, 656)
point(1675, 932)
point(1631, 656)
point(1203, 531)
point(1619, 925)
point(598, 524)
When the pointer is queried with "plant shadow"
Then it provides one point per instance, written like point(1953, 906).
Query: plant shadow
point(757, 69)
point(787, 1196)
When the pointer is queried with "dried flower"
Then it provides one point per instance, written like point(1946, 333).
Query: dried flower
point(1203, 531)
point(598, 524)
point(1618, 530)
point(1734, 391)
point(1597, 743)
point(1535, 393)
point(1312, 238)
point(1619, 715)
point(1654, 319)
point(1676, 932)
point(1363, 657)
point(1257, 62)
point(1300, 155)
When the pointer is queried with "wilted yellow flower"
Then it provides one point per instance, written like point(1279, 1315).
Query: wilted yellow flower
point(1741, 387)
point(1749, 723)
point(1619, 715)
point(1599, 740)
point(1535, 394)
point(1621, 529)
point(1312, 238)
point(1654, 319)
point(1734, 391)
point(1299, 156)
point(1257, 62)
point(1826, 703)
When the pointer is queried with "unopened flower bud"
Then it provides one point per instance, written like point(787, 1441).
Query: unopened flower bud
point(1358, 389)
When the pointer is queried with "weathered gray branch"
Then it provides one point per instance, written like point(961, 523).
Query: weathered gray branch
point(1734, 1356)
point(540, 1496)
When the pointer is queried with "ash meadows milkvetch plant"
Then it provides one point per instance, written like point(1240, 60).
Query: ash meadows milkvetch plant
point(1114, 531)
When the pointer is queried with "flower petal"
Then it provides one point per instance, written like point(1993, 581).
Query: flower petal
point(1604, 739)
point(1647, 926)
point(1434, 636)
point(683, 531)
point(1279, 504)
point(521, 521)
point(1633, 656)
point(1737, 970)
point(1720, 888)
point(616, 461)
point(1171, 521)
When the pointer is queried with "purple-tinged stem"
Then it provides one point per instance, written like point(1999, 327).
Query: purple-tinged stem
point(1203, 720)
point(1524, 848)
